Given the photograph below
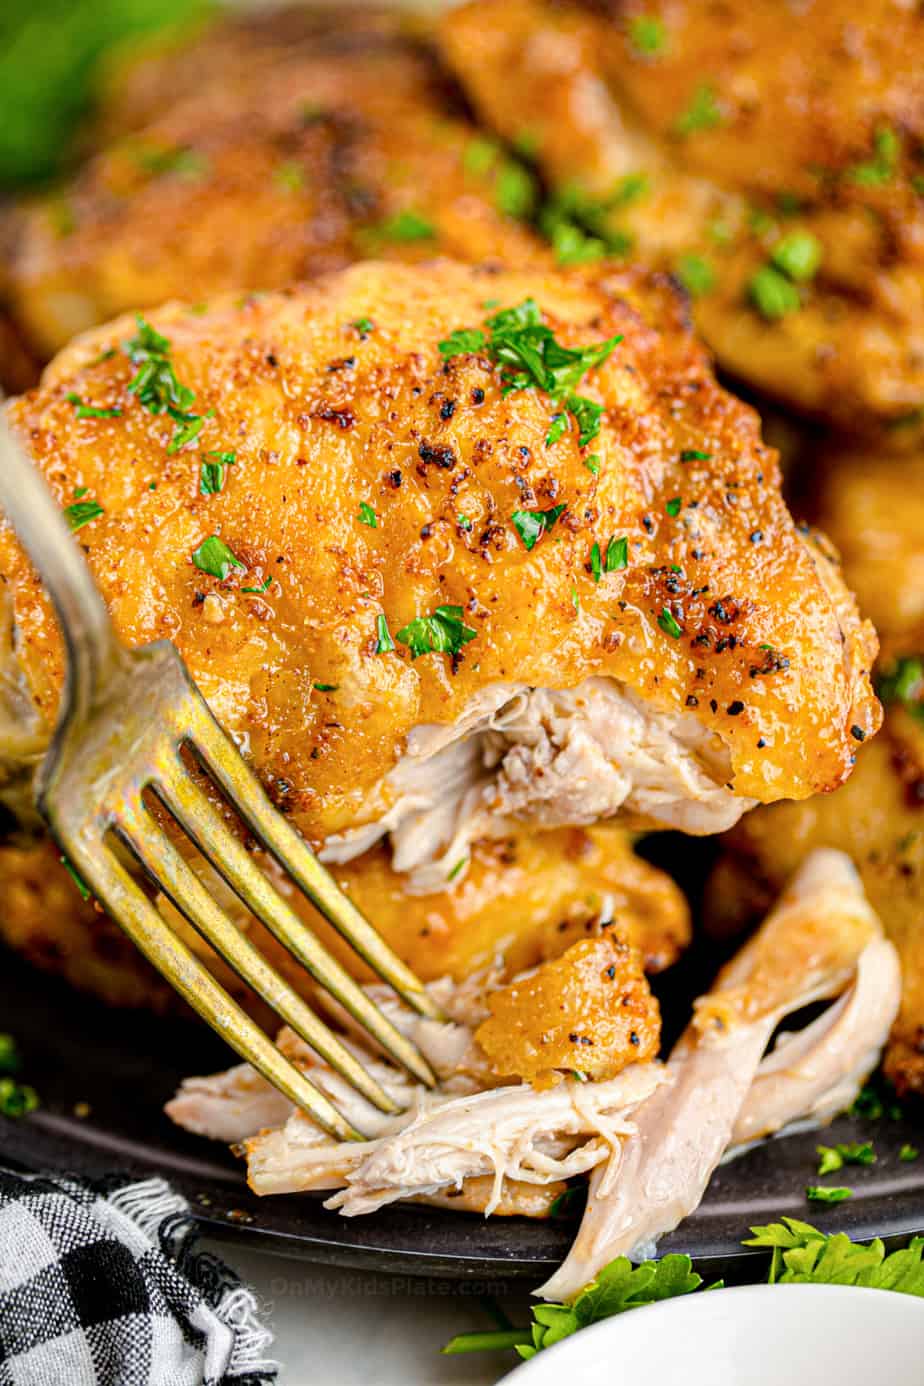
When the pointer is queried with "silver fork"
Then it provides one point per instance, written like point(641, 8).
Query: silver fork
point(126, 715)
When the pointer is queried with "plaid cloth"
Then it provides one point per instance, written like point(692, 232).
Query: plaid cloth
point(101, 1286)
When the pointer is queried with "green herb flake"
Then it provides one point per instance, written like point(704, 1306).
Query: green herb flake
point(212, 471)
point(617, 554)
point(695, 455)
point(463, 341)
point(367, 515)
point(384, 643)
point(904, 683)
point(363, 326)
point(16, 1099)
point(290, 177)
point(672, 507)
point(515, 190)
point(459, 866)
point(258, 591)
point(834, 1157)
point(406, 227)
point(575, 600)
point(215, 558)
point(480, 155)
point(9, 1055)
point(532, 524)
point(669, 623)
point(592, 463)
point(797, 255)
point(159, 160)
point(156, 386)
point(908, 1153)
point(696, 275)
point(442, 633)
point(821, 1193)
point(647, 35)
point(81, 512)
point(75, 876)
point(596, 563)
point(880, 168)
point(325, 687)
point(90, 411)
point(703, 112)
point(464, 523)
point(773, 294)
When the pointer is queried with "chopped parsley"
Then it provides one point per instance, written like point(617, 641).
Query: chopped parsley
point(529, 357)
point(820, 1193)
point(834, 1157)
point(157, 387)
point(367, 515)
point(695, 455)
point(581, 228)
point(881, 167)
point(76, 877)
point(695, 274)
point(673, 506)
point(9, 1057)
point(647, 34)
point(908, 1153)
point(90, 411)
point(802, 1254)
point(669, 623)
point(384, 642)
point(363, 326)
point(480, 154)
point(212, 471)
point(459, 866)
point(81, 512)
point(160, 159)
point(464, 522)
point(258, 591)
point(596, 563)
point(575, 600)
point(16, 1099)
point(532, 524)
point(406, 227)
point(617, 554)
point(904, 684)
point(798, 255)
point(773, 294)
point(702, 113)
point(515, 190)
point(592, 463)
point(290, 177)
point(325, 687)
point(442, 633)
point(215, 558)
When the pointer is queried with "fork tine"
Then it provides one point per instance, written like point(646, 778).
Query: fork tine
point(126, 901)
point(183, 887)
point(192, 810)
point(224, 762)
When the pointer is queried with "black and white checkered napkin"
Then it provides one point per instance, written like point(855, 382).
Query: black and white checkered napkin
point(103, 1287)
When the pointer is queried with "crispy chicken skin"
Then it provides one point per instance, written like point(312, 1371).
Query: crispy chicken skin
point(525, 899)
point(271, 168)
point(754, 125)
point(712, 668)
point(872, 506)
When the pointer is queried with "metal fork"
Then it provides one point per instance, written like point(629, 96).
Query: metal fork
point(126, 715)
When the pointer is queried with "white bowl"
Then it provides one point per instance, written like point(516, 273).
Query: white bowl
point(753, 1335)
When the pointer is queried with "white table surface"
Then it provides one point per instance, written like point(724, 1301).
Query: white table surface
point(354, 1328)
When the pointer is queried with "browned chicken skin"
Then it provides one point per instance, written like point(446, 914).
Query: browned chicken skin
point(872, 507)
point(711, 667)
point(732, 140)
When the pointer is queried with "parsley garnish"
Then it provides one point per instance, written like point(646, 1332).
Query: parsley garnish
point(820, 1193)
point(532, 524)
point(384, 642)
point(702, 113)
point(695, 455)
point(802, 1254)
point(798, 255)
point(325, 687)
point(592, 463)
point(442, 633)
point(212, 471)
point(596, 563)
point(881, 167)
point(695, 274)
point(157, 387)
point(76, 877)
point(834, 1157)
point(669, 623)
point(480, 154)
point(406, 226)
point(290, 177)
point(156, 160)
point(530, 357)
point(16, 1099)
point(617, 554)
point(580, 227)
point(9, 1057)
point(515, 190)
point(81, 512)
point(673, 506)
point(90, 411)
point(363, 325)
point(905, 684)
point(647, 34)
point(258, 591)
point(367, 515)
point(464, 522)
point(773, 294)
point(214, 557)
point(459, 866)
point(908, 1153)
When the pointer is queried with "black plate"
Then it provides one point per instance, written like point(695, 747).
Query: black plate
point(125, 1065)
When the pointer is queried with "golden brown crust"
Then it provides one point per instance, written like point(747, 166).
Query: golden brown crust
point(589, 1011)
point(324, 416)
point(751, 122)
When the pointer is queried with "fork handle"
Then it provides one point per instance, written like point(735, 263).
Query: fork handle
point(93, 648)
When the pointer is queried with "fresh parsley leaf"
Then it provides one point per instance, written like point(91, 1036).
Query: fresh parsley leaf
point(592, 463)
point(464, 522)
point(442, 633)
point(672, 506)
point(515, 190)
point(363, 326)
point(212, 471)
point(406, 226)
point(459, 866)
point(904, 683)
point(480, 154)
point(156, 385)
point(596, 563)
point(647, 34)
point(695, 455)
point(669, 623)
point(581, 227)
point(532, 524)
point(696, 275)
point(821, 1193)
point(258, 591)
point(17, 1099)
point(703, 112)
point(802, 1254)
point(9, 1056)
point(215, 558)
point(367, 515)
point(325, 687)
point(575, 600)
point(908, 1153)
point(773, 294)
point(834, 1157)
point(463, 341)
point(90, 411)
point(81, 512)
point(617, 554)
point(384, 643)
point(797, 255)
point(560, 425)
point(881, 167)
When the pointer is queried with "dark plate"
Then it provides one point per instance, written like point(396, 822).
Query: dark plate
point(126, 1065)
